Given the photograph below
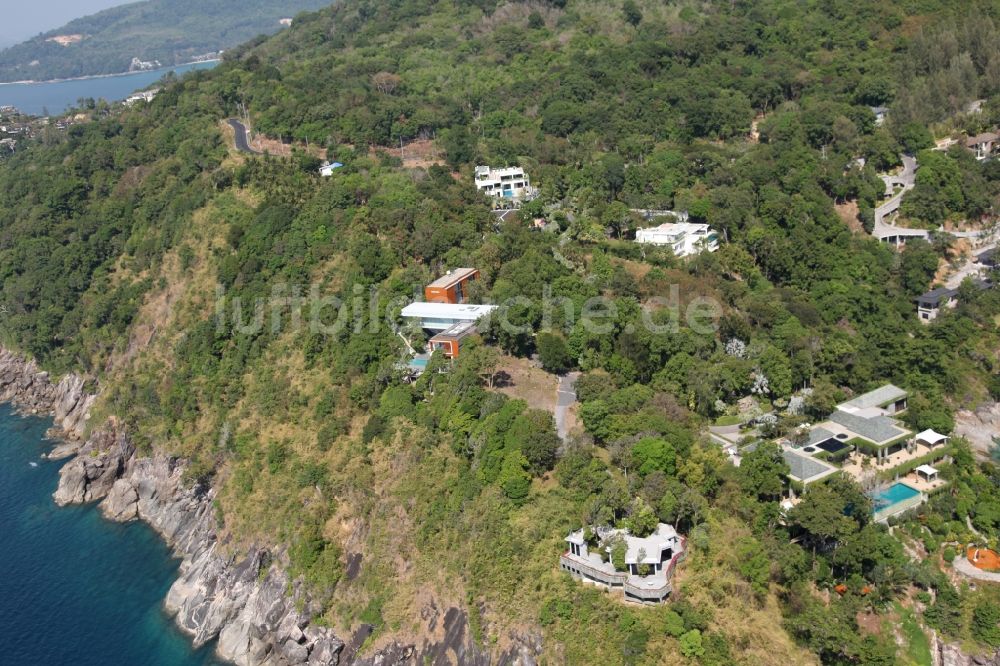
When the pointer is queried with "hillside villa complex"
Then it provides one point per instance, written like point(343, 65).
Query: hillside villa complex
point(864, 439)
point(445, 312)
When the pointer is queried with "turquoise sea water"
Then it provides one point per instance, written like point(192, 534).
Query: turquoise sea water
point(75, 588)
point(894, 494)
point(57, 96)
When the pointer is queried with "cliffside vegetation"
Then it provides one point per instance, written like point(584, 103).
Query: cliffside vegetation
point(121, 244)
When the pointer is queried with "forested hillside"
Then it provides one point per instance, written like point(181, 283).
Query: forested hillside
point(172, 32)
point(123, 240)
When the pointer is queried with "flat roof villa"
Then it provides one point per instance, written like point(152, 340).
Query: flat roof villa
point(442, 316)
point(684, 238)
point(451, 287)
point(507, 184)
point(449, 341)
point(659, 553)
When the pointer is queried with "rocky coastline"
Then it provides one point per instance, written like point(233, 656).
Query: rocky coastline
point(242, 602)
point(246, 603)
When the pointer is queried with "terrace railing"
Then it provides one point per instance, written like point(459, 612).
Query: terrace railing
point(573, 563)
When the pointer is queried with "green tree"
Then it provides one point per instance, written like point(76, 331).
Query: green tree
point(986, 623)
point(654, 453)
point(533, 432)
point(514, 480)
point(631, 13)
point(690, 644)
point(553, 352)
point(762, 472)
point(642, 520)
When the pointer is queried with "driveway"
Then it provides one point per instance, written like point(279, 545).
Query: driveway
point(969, 269)
point(565, 397)
point(969, 570)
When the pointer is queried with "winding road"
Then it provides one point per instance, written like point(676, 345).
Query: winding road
point(241, 136)
point(970, 570)
point(906, 181)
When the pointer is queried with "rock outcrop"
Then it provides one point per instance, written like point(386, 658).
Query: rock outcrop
point(244, 603)
point(949, 654)
point(31, 390)
point(979, 426)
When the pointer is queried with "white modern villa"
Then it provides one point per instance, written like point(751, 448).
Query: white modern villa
point(650, 562)
point(442, 316)
point(509, 184)
point(684, 238)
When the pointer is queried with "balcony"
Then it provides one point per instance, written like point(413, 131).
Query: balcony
point(591, 570)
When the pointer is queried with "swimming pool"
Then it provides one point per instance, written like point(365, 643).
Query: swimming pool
point(893, 498)
point(420, 363)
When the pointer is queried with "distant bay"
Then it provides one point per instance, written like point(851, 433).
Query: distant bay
point(76, 588)
point(57, 96)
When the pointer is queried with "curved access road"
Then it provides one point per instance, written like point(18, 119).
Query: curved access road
point(242, 136)
point(969, 570)
point(906, 180)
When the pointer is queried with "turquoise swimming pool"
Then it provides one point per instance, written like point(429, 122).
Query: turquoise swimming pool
point(897, 493)
point(418, 363)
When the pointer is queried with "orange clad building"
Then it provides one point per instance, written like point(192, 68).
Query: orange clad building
point(451, 287)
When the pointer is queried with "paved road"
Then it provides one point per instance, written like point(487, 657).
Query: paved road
point(906, 180)
point(565, 397)
point(242, 139)
point(969, 269)
point(969, 570)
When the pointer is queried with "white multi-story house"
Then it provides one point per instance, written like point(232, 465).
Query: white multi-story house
point(510, 183)
point(684, 238)
point(649, 562)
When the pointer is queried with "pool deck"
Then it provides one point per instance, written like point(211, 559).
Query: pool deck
point(922, 484)
point(854, 467)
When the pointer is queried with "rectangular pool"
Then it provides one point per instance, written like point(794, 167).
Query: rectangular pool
point(898, 493)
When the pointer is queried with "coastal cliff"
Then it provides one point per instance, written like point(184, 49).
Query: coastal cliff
point(247, 602)
point(31, 390)
point(244, 602)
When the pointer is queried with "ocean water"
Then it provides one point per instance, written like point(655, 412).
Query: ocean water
point(57, 96)
point(75, 588)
